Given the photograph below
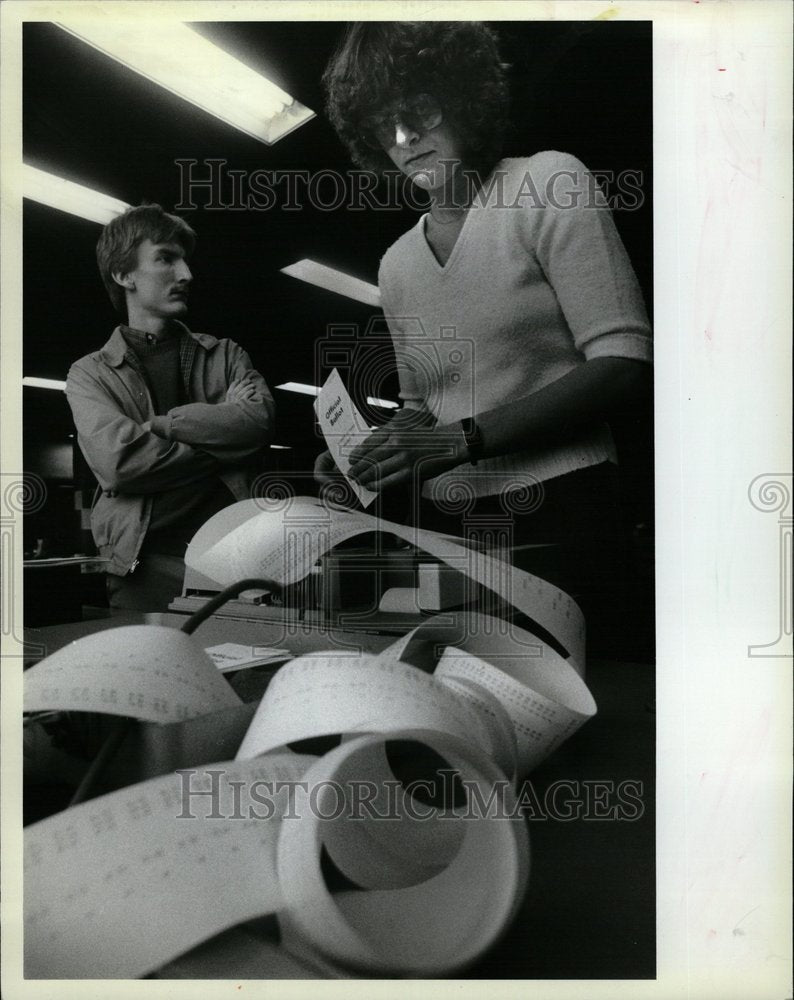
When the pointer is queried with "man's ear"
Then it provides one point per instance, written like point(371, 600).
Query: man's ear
point(125, 280)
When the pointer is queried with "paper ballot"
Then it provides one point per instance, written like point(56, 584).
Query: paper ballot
point(343, 428)
point(128, 882)
point(229, 656)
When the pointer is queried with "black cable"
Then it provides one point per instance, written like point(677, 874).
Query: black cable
point(106, 751)
point(123, 726)
point(220, 599)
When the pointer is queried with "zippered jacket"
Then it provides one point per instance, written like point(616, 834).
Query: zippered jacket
point(136, 454)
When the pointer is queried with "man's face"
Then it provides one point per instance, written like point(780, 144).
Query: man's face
point(159, 284)
point(429, 158)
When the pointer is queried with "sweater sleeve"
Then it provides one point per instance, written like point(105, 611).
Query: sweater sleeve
point(586, 264)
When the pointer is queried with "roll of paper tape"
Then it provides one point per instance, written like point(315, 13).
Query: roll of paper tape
point(432, 928)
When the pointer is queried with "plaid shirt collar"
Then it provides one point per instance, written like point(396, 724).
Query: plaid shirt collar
point(116, 351)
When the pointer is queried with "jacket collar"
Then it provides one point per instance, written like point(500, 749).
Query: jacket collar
point(115, 350)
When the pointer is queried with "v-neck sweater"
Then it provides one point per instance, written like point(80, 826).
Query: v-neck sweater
point(537, 282)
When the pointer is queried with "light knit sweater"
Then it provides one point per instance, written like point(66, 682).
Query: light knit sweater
point(537, 283)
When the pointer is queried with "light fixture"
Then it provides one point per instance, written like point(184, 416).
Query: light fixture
point(386, 404)
point(175, 57)
point(282, 447)
point(307, 390)
point(43, 383)
point(57, 192)
point(334, 281)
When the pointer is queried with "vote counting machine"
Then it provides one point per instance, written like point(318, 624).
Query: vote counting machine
point(378, 583)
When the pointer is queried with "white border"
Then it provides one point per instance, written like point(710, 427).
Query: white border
point(722, 195)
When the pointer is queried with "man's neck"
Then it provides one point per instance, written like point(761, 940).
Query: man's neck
point(157, 326)
point(450, 203)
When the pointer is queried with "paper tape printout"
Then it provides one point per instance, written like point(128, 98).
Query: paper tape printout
point(148, 672)
point(434, 927)
point(327, 693)
point(284, 542)
point(123, 884)
point(117, 886)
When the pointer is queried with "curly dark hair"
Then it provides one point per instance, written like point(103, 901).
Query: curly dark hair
point(379, 63)
point(117, 249)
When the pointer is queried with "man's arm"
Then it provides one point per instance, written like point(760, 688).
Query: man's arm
point(124, 456)
point(230, 431)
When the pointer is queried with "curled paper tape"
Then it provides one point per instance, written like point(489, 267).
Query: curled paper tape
point(326, 693)
point(368, 852)
point(247, 956)
point(125, 883)
point(434, 927)
point(118, 886)
point(546, 705)
point(285, 544)
point(147, 672)
point(495, 718)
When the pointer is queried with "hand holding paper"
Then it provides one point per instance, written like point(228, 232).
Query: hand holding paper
point(409, 446)
point(343, 428)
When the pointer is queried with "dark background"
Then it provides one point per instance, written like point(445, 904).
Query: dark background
point(584, 88)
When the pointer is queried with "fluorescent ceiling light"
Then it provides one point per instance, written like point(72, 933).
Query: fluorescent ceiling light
point(334, 281)
point(307, 390)
point(387, 404)
point(67, 196)
point(43, 383)
point(175, 57)
point(282, 447)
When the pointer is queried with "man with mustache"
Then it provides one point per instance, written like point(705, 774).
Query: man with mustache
point(170, 421)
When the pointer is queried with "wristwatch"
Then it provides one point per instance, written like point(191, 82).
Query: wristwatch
point(472, 439)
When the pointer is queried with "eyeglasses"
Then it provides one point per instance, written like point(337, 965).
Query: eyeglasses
point(419, 114)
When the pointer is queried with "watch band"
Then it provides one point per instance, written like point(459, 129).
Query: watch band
point(472, 438)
